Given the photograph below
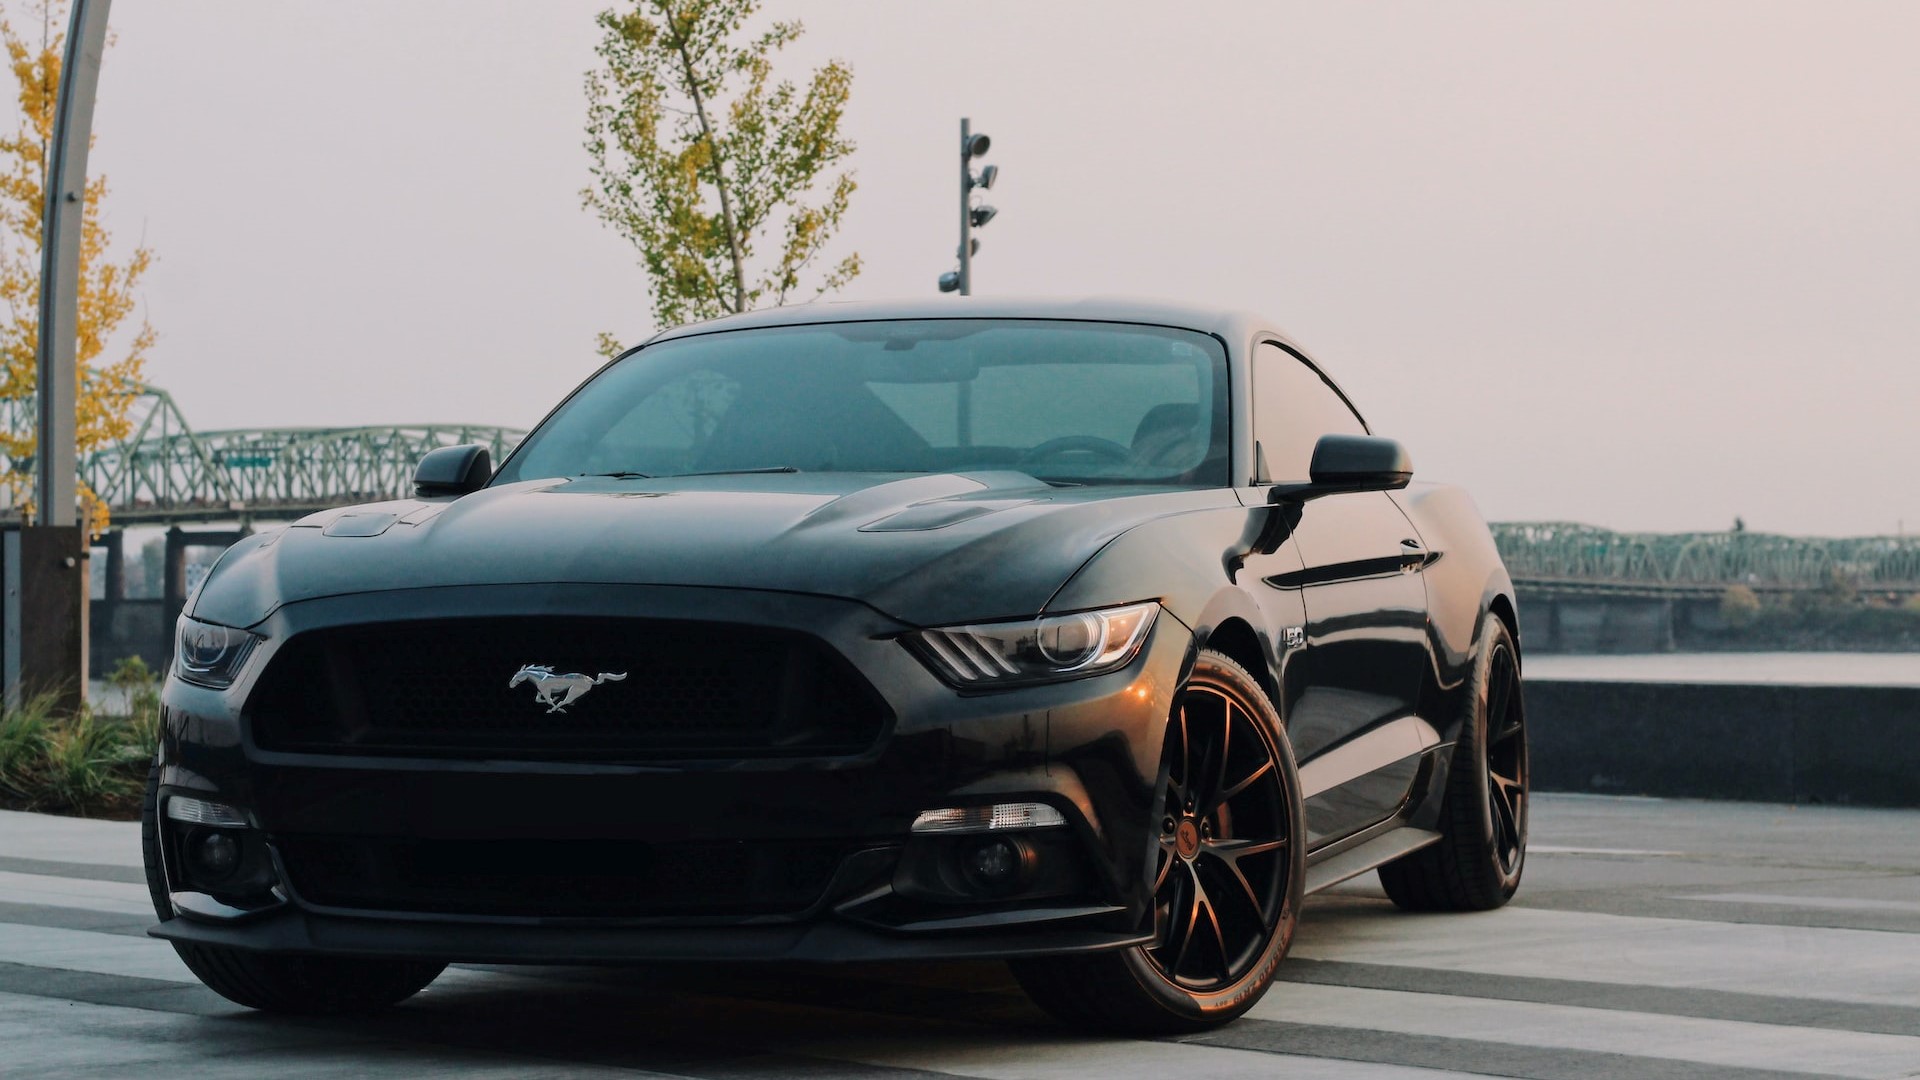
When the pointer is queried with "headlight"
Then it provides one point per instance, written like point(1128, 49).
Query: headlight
point(210, 655)
point(1037, 650)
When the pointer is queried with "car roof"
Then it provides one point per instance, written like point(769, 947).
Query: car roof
point(1229, 324)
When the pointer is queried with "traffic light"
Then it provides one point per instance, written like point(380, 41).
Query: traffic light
point(973, 215)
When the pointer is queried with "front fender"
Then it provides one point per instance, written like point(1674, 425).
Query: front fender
point(1182, 560)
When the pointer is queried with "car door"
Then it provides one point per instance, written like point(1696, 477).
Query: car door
point(1354, 693)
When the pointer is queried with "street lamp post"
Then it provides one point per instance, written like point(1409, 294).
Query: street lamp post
point(46, 573)
point(55, 456)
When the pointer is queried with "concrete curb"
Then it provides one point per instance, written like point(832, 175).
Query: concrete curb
point(1810, 744)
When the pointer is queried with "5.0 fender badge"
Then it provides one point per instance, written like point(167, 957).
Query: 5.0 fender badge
point(559, 691)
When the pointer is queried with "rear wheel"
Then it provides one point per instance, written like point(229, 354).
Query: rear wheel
point(280, 983)
point(1476, 865)
point(1227, 878)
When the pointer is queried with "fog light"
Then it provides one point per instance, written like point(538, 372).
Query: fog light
point(201, 812)
point(966, 819)
point(997, 866)
point(214, 854)
point(994, 863)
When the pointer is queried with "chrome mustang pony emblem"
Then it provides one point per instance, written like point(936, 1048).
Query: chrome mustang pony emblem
point(559, 691)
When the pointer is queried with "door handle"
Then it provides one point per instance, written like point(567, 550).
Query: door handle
point(1412, 556)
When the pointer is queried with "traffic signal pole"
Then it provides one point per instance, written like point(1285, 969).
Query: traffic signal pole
point(966, 206)
point(971, 216)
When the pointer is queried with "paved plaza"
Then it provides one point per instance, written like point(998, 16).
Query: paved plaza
point(1651, 939)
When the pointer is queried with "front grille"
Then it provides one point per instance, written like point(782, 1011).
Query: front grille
point(565, 878)
point(440, 687)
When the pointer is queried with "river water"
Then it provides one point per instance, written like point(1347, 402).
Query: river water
point(1773, 668)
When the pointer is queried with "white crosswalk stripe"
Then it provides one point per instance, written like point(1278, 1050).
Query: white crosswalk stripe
point(115, 897)
point(1522, 1023)
point(85, 950)
point(1555, 993)
point(1866, 966)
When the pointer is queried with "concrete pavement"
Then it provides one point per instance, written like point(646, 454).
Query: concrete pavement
point(1650, 939)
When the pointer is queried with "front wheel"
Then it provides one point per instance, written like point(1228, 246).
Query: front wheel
point(1483, 816)
point(1228, 870)
point(309, 985)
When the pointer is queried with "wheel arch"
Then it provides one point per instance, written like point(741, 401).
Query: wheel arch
point(1502, 607)
point(1233, 624)
point(1236, 639)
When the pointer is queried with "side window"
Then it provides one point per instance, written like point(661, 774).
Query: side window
point(1292, 407)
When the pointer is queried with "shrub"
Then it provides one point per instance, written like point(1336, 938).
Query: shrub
point(141, 687)
point(131, 673)
point(78, 763)
point(23, 744)
point(84, 765)
point(1739, 606)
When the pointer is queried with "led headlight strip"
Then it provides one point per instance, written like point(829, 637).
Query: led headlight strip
point(209, 654)
point(1037, 650)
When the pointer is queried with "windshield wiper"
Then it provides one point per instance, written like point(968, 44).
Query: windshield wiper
point(736, 472)
point(676, 476)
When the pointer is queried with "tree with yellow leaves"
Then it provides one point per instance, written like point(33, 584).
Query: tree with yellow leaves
point(707, 165)
point(110, 379)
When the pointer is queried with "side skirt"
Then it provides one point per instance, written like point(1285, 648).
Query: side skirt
point(1383, 848)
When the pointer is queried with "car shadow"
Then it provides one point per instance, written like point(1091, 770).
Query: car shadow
point(712, 1018)
point(736, 1019)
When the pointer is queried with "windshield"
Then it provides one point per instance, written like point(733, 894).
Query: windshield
point(1066, 402)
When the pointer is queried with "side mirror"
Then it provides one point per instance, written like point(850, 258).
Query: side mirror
point(453, 470)
point(1346, 463)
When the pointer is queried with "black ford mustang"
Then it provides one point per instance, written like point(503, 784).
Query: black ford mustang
point(1088, 635)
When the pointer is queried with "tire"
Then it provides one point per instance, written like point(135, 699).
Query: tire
point(1483, 815)
point(303, 985)
point(1231, 873)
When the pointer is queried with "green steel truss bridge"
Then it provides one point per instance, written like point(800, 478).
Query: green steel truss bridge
point(1572, 559)
point(166, 473)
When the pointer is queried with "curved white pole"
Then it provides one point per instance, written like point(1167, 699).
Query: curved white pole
point(56, 463)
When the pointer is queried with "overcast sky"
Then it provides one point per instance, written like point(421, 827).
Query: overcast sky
point(1647, 266)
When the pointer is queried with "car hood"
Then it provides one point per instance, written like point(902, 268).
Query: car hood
point(923, 549)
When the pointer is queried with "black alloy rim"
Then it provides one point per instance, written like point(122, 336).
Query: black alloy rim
point(1222, 873)
point(1506, 760)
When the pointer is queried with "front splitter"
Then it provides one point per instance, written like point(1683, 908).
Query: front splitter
point(827, 941)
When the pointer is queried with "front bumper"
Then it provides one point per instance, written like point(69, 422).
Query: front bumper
point(1089, 748)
